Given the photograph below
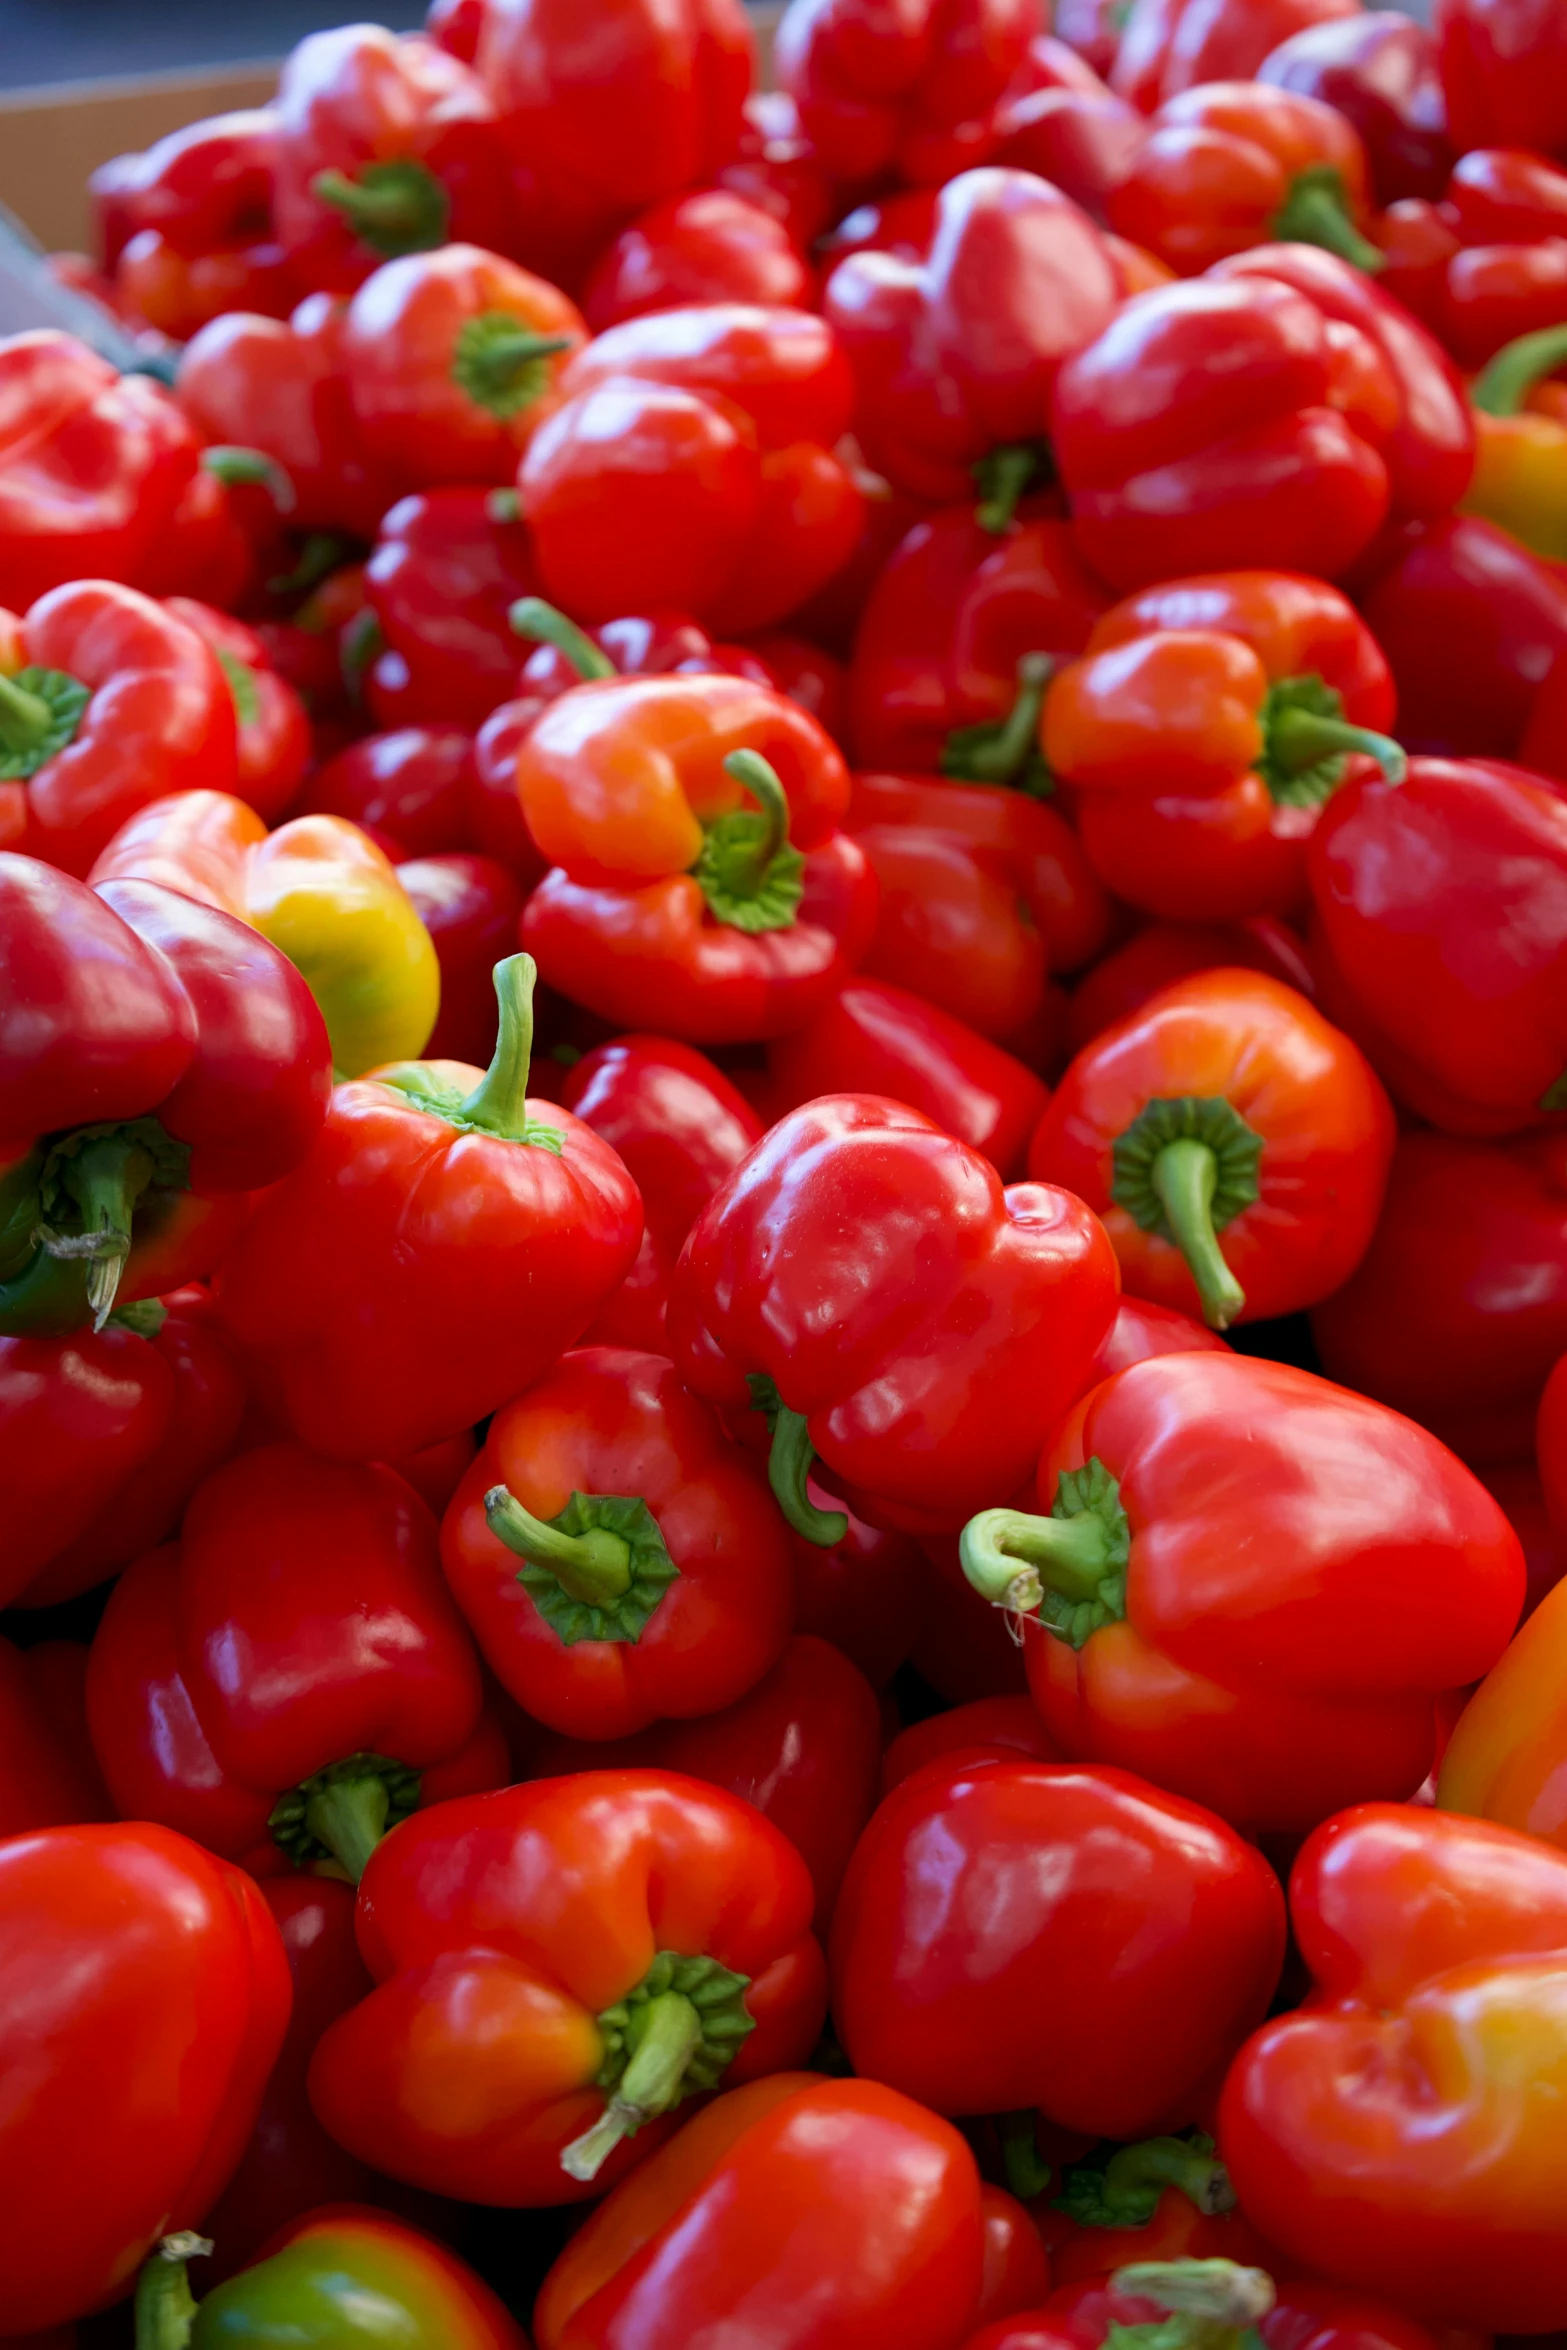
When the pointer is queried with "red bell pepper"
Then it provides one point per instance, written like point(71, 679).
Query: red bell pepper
point(293, 1677)
point(1167, 951)
point(329, 2273)
point(290, 2164)
point(1235, 1144)
point(680, 1129)
point(447, 567)
point(1016, 2271)
point(445, 1241)
point(1467, 1024)
point(1166, 2198)
point(1060, 120)
point(691, 464)
point(840, 2196)
point(1425, 2066)
point(947, 659)
point(716, 245)
point(1037, 847)
point(205, 1410)
point(1214, 1524)
point(774, 166)
point(93, 466)
point(79, 1418)
point(606, 115)
point(413, 790)
point(272, 728)
point(469, 905)
point(910, 93)
point(557, 1967)
point(953, 926)
point(143, 1983)
point(1204, 729)
point(965, 1651)
point(1234, 164)
point(876, 1039)
point(1379, 69)
point(384, 146)
point(955, 355)
point(672, 903)
point(170, 1048)
point(107, 701)
point(1504, 270)
point(1504, 72)
point(1459, 1308)
point(940, 1380)
point(952, 1977)
point(177, 294)
point(989, 1729)
point(619, 1560)
point(48, 1776)
point(278, 387)
point(202, 186)
point(803, 1745)
point(861, 1592)
point(451, 358)
point(1171, 45)
point(1222, 2299)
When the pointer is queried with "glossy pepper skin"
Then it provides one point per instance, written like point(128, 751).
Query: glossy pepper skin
point(844, 2191)
point(878, 1039)
point(619, 1559)
point(451, 357)
point(1454, 982)
point(107, 702)
point(1236, 1145)
point(1186, 1610)
point(953, 927)
point(1171, 45)
point(713, 245)
point(227, 1703)
point(1208, 722)
point(955, 355)
point(1504, 73)
point(954, 1980)
point(1216, 2296)
point(1005, 1295)
point(143, 1982)
point(80, 1417)
point(954, 614)
point(447, 566)
point(1503, 1761)
point(1425, 2066)
point(1379, 69)
point(1520, 476)
point(680, 1129)
point(673, 903)
point(469, 905)
point(445, 1241)
point(1167, 951)
point(385, 146)
point(413, 789)
point(1459, 1308)
point(170, 1049)
point(1232, 164)
point(93, 466)
point(635, 1937)
point(48, 1777)
point(272, 745)
point(690, 463)
point(912, 94)
point(345, 2275)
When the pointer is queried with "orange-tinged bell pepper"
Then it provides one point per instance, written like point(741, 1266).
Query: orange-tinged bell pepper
point(1507, 1759)
point(1520, 475)
point(318, 888)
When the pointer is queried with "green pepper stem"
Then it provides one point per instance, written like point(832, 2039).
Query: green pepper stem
point(1013, 1558)
point(1003, 477)
point(500, 363)
point(25, 719)
point(1028, 2174)
point(541, 624)
point(105, 1179)
point(254, 469)
point(1157, 2163)
point(999, 753)
point(349, 1817)
point(499, 1102)
point(1316, 212)
point(1506, 381)
point(398, 207)
point(165, 2304)
point(757, 776)
point(1185, 1174)
point(594, 1568)
point(1298, 739)
point(651, 2083)
point(788, 1466)
point(1220, 2291)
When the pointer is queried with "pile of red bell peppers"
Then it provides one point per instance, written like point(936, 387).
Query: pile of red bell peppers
point(783, 1193)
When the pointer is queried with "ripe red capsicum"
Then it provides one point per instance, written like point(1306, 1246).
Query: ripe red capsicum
point(293, 1673)
point(170, 1048)
point(1426, 2067)
point(447, 567)
point(1236, 1145)
point(444, 1242)
point(672, 904)
point(680, 1129)
point(957, 1995)
point(108, 702)
point(48, 1775)
point(414, 790)
point(711, 245)
point(1213, 1524)
point(558, 1966)
point(841, 2193)
point(272, 744)
point(943, 1377)
point(953, 926)
point(1504, 73)
point(1167, 951)
point(1220, 2299)
point(142, 1983)
point(469, 905)
point(955, 355)
point(619, 1559)
point(1379, 70)
point(912, 95)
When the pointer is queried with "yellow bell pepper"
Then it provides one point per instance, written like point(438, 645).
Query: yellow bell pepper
point(1520, 475)
point(322, 891)
point(1507, 1758)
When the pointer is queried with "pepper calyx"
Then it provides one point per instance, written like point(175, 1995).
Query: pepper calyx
point(597, 1570)
point(1068, 1570)
point(40, 711)
point(502, 365)
point(394, 208)
point(340, 1814)
point(89, 1184)
point(1006, 750)
point(1124, 2192)
point(1316, 212)
point(498, 1104)
point(671, 2037)
point(749, 871)
point(1307, 742)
